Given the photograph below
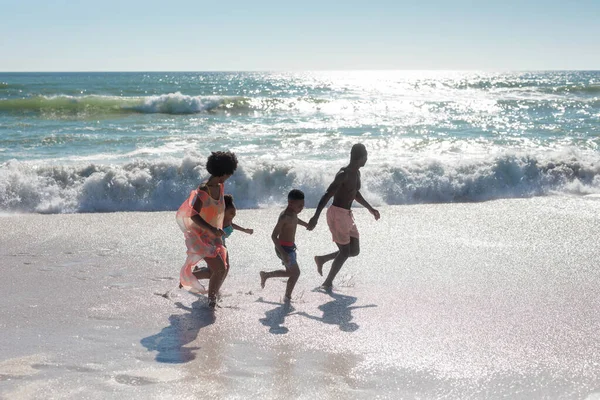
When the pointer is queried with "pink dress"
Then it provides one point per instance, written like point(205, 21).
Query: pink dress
point(200, 242)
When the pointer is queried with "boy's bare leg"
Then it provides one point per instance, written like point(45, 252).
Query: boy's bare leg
point(281, 273)
point(294, 274)
point(320, 260)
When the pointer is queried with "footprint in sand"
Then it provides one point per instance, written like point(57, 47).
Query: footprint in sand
point(132, 380)
point(72, 368)
point(162, 278)
point(18, 368)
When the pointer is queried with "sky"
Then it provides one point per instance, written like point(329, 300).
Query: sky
point(134, 35)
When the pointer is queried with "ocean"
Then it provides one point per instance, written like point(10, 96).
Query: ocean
point(106, 142)
point(478, 282)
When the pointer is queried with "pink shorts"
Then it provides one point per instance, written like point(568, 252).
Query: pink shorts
point(341, 224)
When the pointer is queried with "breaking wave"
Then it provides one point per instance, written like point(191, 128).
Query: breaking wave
point(160, 186)
point(172, 103)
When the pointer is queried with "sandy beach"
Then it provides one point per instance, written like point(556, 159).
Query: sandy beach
point(487, 300)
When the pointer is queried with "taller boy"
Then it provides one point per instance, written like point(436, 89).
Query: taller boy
point(344, 189)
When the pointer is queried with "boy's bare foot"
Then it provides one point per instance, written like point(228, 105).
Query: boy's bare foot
point(319, 265)
point(287, 299)
point(180, 285)
point(263, 279)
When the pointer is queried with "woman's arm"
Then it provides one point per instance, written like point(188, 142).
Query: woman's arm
point(198, 220)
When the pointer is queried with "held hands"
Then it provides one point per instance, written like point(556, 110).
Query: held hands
point(375, 214)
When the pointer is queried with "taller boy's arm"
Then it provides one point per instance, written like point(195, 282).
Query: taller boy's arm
point(335, 185)
point(363, 202)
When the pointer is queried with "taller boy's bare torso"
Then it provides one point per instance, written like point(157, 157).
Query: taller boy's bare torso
point(346, 193)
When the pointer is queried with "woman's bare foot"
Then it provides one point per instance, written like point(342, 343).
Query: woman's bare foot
point(319, 265)
point(263, 279)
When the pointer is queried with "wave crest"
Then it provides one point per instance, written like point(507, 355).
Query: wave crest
point(172, 103)
point(161, 186)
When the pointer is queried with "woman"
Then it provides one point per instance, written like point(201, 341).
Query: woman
point(200, 218)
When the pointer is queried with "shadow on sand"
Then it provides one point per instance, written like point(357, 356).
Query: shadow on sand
point(338, 311)
point(275, 318)
point(184, 329)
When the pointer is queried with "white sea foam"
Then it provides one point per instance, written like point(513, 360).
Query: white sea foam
point(162, 185)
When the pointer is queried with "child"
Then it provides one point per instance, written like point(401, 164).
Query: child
point(228, 225)
point(200, 218)
point(283, 237)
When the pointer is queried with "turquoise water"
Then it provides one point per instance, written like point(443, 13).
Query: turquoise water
point(85, 142)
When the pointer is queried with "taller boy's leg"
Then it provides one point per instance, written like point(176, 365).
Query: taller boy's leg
point(345, 235)
point(351, 249)
point(320, 260)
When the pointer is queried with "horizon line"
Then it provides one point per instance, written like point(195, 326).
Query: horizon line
point(307, 70)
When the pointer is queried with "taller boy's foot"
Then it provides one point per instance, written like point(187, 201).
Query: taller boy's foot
point(263, 279)
point(319, 263)
point(326, 286)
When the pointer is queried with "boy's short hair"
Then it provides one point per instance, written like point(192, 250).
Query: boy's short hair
point(296, 194)
point(228, 201)
point(221, 163)
point(358, 151)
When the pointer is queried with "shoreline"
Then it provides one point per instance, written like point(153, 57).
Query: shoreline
point(489, 299)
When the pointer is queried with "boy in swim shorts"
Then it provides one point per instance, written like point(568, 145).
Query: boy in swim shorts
point(344, 189)
point(283, 236)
